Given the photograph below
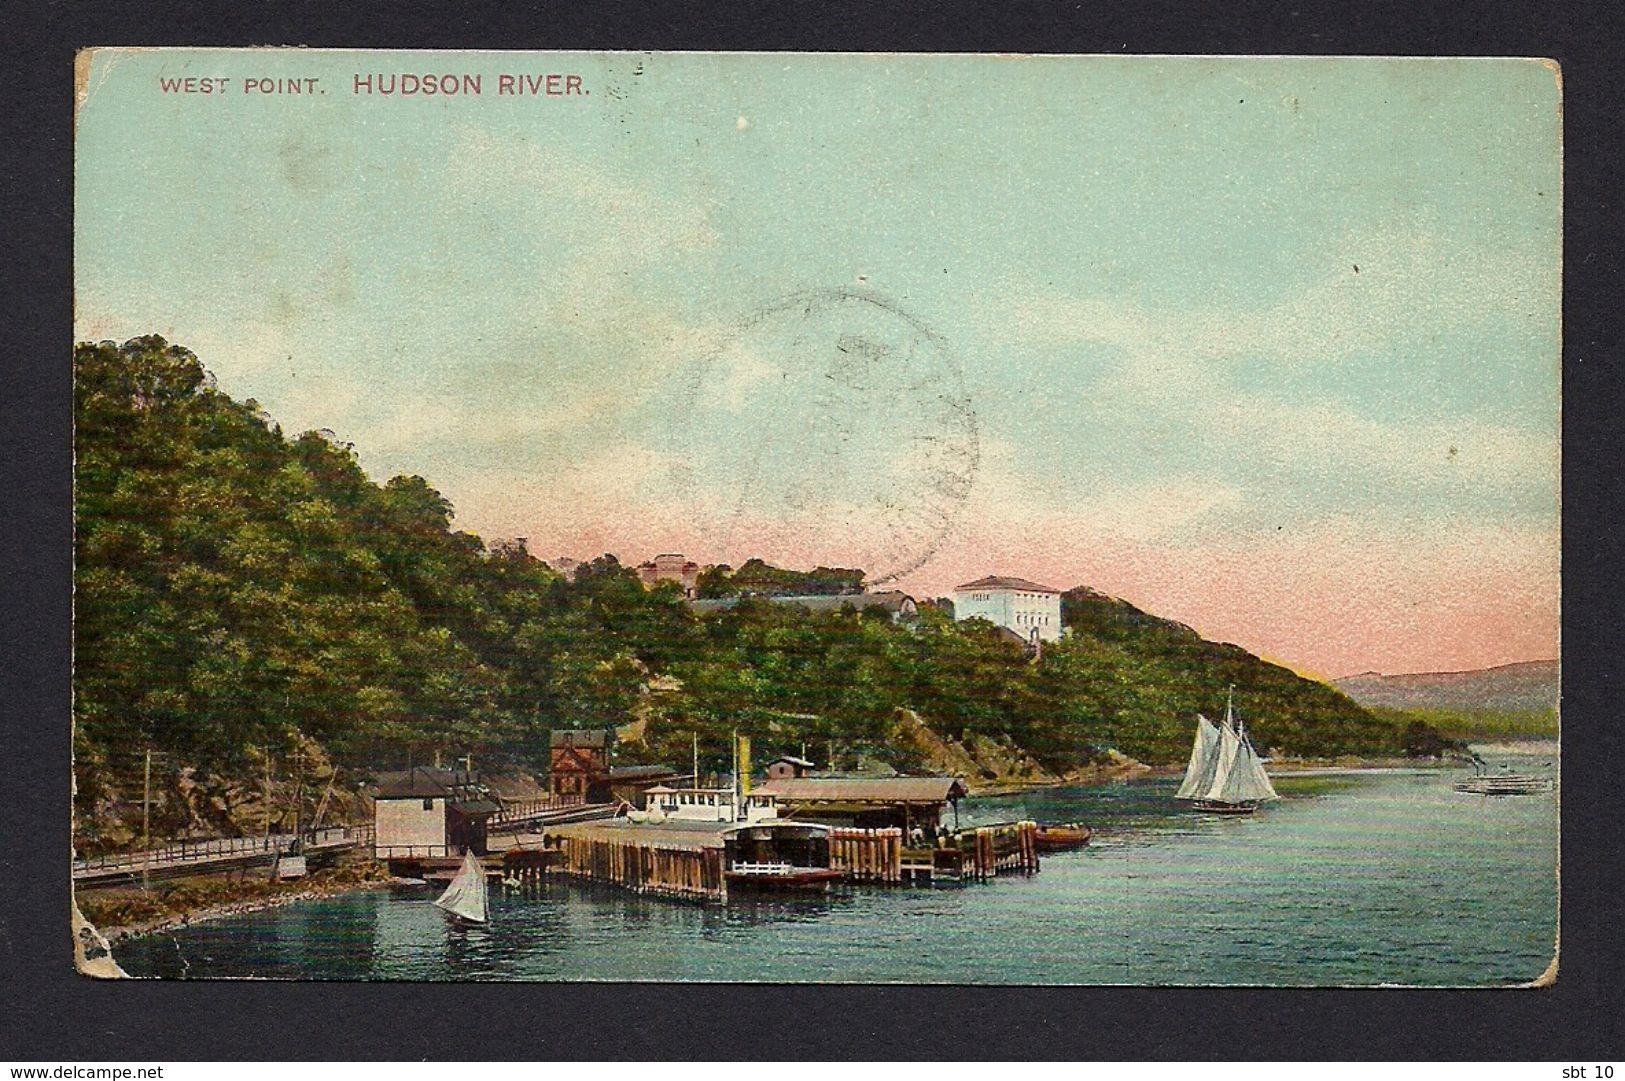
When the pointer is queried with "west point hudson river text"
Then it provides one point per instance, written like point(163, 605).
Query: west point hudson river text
point(401, 85)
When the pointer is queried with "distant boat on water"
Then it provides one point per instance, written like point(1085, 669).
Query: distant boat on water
point(1225, 774)
point(466, 897)
point(1485, 782)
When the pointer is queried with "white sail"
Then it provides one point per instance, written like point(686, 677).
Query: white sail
point(1229, 744)
point(1204, 760)
point(1255, 782)
point(466, 896)
point(1244, 779)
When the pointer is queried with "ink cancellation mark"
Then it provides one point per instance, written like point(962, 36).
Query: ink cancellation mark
point(857, 426)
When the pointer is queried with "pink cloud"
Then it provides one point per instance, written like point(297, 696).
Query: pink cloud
point(1338, 599)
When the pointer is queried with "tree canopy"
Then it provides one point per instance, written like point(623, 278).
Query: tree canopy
point(236, 589)
point(756, 576)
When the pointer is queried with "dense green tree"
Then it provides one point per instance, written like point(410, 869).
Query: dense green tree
point(759, 577)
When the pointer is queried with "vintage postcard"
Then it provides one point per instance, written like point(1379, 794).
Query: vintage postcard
point(784, 517)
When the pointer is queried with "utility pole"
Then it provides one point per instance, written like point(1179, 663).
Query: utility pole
point(268, 804)
point(298, 791)
point(696, 736)
point(146, 818)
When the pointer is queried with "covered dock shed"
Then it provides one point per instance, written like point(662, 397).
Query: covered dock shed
point(866, 802)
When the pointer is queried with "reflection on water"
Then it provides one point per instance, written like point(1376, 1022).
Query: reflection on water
point(1354, 877)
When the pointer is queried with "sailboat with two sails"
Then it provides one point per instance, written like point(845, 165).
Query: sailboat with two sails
point(1225, 774)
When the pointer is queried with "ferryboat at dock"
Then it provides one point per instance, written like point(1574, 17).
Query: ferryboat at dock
point(778, 857)
point(667, 804)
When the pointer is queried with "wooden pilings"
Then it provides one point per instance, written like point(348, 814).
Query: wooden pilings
point(867, 855)
point(694, 873)
point(1009, 847)
point(526, 865)
point(990, 850)
point(975, 854)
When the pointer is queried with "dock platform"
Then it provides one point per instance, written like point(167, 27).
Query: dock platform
point(684, 859)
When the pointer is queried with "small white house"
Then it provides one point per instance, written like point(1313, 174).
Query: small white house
point(430, 813)
point(1024, 608)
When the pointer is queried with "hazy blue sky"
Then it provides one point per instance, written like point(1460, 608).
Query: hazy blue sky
point(1268, 346)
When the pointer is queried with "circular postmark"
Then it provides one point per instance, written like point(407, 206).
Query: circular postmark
point(829, 427)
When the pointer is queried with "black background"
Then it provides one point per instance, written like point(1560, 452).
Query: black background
point(49, 1013)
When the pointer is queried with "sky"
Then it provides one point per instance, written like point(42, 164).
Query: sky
point(1267, 346)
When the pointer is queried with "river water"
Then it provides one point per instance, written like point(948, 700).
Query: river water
point(1357, 877)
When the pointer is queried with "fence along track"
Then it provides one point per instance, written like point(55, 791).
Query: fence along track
point(216, 852)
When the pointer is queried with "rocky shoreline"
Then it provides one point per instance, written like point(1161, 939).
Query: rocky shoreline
point(123, 914)
point(1117, 770)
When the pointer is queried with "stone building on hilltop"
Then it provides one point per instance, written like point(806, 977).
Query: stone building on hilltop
point(671, 567)
point(1026, 609)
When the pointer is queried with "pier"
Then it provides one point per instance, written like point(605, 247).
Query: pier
point(685, 860)
point(969, 855)
point(677, 860)
point(218, 854)
point(682, 862)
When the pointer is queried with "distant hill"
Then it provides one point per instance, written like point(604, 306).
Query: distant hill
point(1147, 677)
point(1507, 688)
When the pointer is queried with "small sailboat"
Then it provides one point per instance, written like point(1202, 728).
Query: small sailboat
point(466, 897)
point(1224, 775)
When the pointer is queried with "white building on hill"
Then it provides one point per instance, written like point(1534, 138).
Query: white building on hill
point(1022, 607)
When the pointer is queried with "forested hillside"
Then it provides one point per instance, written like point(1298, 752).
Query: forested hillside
point(237, 590)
